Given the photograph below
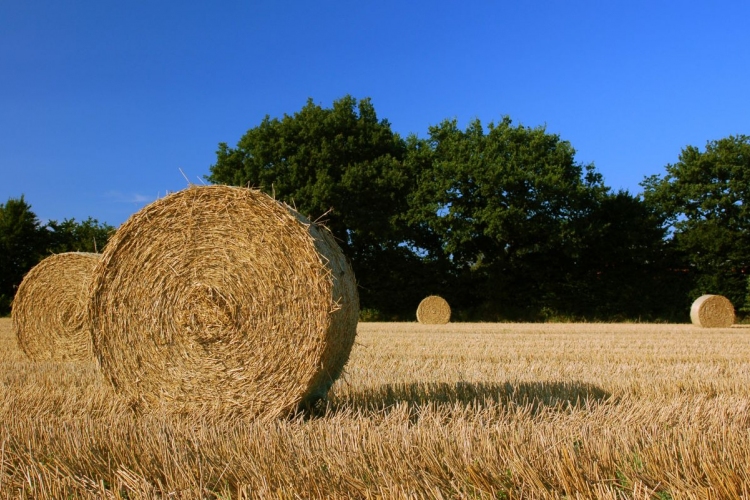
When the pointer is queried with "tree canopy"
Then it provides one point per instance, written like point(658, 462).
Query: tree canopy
point(501, 219)
point(705, 201)
point(21, 246)
point(504, 203)
point(72, 236)
point(24, 241)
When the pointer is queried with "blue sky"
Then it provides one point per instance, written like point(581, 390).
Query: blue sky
point(102, 103)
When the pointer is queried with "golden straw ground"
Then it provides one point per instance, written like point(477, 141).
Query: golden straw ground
point(465, 410)
point(433, 310)
point(222, 302)
point(49, 308)
point(712, 311)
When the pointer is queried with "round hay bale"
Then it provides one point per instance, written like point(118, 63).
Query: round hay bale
point(712, 311)
point(219, 301)
point(49, 310)
point(433, 310)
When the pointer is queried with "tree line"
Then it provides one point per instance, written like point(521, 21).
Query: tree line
point(25, 241)
point(500, 219)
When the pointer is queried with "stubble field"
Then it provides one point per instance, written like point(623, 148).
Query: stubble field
point(456, 411)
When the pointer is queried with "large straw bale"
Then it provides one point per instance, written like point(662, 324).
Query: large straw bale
point(712, 311)
point(433, 310)
point(49, 309)
point(220, 301)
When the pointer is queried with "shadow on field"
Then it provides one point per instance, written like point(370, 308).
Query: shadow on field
point(476, 395)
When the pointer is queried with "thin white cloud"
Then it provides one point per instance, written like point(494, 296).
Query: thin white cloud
point(136, 198)
point(140, 198)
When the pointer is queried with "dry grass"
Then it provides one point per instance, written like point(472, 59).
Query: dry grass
point(452, 411)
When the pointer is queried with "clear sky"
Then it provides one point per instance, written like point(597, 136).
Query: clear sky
point(103, 102)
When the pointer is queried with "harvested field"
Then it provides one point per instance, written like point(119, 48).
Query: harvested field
point(422, 411)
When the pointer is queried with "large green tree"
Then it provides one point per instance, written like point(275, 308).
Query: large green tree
point(344, 166)
point(502, 219)
point(705, 201)
point(22, 243)
point(503, 203)
point(624, 265)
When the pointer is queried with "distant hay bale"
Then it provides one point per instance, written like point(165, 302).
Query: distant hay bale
point(221, 302)
point(712, 311)
point(433, 310)
point(49, 310)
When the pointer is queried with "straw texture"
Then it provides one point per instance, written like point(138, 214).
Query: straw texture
point(49, 309)
point(222, 302)
point(712, 311)
point(433, 310)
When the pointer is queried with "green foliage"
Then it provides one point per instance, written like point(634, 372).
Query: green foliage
point(21, 246)
point(624, 269)
point(24, 242)
point(513, 187)
point(501, 220)
point(71, 236)
point(369, 315)
point(705, 199)
point(527, 231)
point(746, 307)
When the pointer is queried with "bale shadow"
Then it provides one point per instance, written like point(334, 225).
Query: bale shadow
point(477, 395)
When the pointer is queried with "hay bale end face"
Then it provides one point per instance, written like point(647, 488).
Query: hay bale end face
point(221, 302)
point(433, 310)
point(48, 315)
point(712, 311)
